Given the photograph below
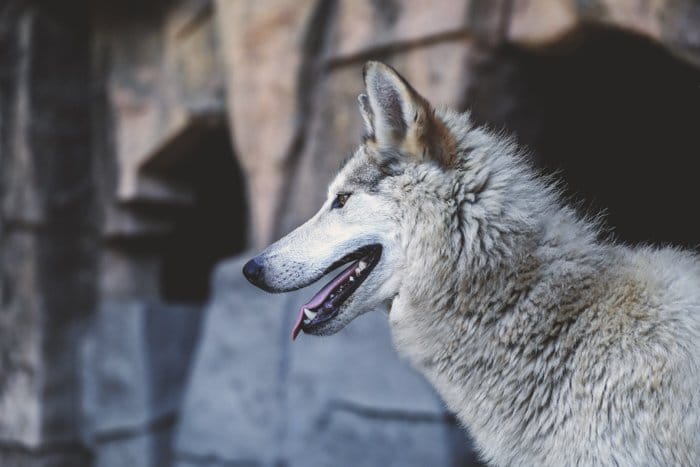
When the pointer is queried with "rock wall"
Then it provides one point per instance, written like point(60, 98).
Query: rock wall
point(48, 239)
point(147, 148)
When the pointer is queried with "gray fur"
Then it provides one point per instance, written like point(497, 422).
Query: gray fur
point(553, 346)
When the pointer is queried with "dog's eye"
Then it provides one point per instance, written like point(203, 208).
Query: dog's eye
point(340, 200)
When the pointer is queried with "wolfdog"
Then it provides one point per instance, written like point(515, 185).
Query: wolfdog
point(553, 344)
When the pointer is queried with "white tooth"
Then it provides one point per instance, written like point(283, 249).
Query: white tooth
point(332, 295)
point(310, 314)
point(358, 271)
point(352, 279)
point(362, 265)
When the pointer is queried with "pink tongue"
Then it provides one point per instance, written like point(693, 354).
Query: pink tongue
point(318, 299)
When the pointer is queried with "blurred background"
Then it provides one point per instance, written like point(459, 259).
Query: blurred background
point(148, 147)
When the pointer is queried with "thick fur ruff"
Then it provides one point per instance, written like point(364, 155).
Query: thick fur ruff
point(552, 346)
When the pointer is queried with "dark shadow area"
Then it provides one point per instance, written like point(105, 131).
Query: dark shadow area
point(617, 117)
point(213, 228)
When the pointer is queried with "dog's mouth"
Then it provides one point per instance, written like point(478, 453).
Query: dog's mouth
point(325, 305)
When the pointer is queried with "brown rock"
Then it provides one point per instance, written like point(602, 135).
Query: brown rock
point(535, 23)
point(165, 84)
point(334, 130)
point(673, 24)
point(262, 49)
point(365, 26)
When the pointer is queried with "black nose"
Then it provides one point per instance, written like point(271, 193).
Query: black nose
point(253, 271)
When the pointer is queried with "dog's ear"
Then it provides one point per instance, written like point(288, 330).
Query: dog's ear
point(397, 118)
point(367, 115)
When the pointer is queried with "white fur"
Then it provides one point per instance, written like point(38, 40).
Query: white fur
point(553, 346)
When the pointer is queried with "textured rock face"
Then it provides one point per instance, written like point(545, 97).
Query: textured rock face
point(119, 190)
point(47, 241)
point(135, 363)
point(265, 47)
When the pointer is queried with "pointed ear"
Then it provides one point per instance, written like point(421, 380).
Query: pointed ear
point(367, 115)
point(399, 118)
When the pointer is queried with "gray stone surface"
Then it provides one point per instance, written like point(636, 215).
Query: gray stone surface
point(348, 438)
point(116, 379)
point(20, 336)
point(232, 407)
point(131, 452)
point(68, 455)
point(254, 396)
point(135, 364)
point(47, 247)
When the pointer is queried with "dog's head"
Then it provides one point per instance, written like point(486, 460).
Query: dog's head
point(370, 213)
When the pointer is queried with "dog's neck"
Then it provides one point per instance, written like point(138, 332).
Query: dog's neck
point(483, 328)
